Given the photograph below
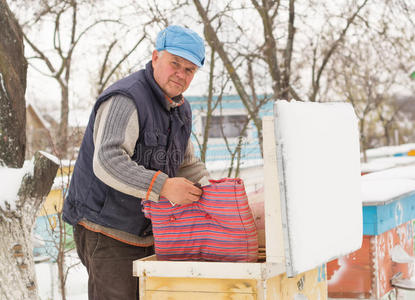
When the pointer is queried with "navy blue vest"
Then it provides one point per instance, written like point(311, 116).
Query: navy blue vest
point(162, 142)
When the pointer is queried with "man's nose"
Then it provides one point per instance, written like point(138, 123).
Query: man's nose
point(180, 73)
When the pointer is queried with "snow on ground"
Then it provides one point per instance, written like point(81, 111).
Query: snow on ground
point(77, 282)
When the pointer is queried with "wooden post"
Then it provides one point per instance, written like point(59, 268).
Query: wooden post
point(273, 222)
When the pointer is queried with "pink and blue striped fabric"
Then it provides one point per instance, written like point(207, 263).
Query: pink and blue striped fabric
point(218, 227)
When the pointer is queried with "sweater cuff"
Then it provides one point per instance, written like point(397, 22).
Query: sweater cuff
point(157, 182)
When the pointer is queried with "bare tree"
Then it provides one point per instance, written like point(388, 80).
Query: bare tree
point(106, 71)
point(372, 71)
point(278, 56)
point(57, 63)
point(391, 118)
point(235, 152)
point(361, 85)
point(60, 71)
point(328, 51)
point(214, 42)
point(212, 103)
point(16, 219)
point(364, 102)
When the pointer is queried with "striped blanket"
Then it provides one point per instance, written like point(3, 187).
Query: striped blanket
point(218, 227)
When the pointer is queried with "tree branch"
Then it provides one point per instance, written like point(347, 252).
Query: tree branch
point(107, 78)
point(316, 83)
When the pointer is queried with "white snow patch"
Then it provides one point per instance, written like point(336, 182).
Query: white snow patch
point(37, 240)
point(60, 182)
point(50, 157)
point(385, 189)
point(10, 180)
point(76, 285)
point(389, 150)
point(383, 163)
point(388, 184)
point(2, 83)
point(407, 172)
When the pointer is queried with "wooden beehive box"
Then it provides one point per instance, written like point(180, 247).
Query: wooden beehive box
point(297, 244)
point(265, 279)
point(367, 273)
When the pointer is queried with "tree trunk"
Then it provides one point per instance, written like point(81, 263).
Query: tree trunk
point(63, 125)
point(214, 42)
point(209, 111)
point(17, 272)
point(13, 68)
point(363, 141)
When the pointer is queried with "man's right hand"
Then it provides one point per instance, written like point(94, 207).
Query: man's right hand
point(180, 190)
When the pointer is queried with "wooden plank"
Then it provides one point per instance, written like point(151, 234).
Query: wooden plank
point(310, 285)
point(155, 295)
point(142, 291)
point(202, 285)
point(199, 269)
point(273, 221)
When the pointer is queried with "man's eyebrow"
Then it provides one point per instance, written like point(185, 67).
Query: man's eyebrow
point(182, 60)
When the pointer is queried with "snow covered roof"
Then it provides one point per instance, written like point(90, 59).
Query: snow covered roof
point(384, 163)
point(38, 115)
point(387, 185)
point(389, 150)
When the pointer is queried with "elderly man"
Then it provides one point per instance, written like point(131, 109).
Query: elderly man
point(136, 146)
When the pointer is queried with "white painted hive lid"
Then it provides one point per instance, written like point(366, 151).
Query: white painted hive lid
point(319, 175)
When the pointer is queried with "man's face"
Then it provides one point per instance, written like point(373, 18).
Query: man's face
point(172, 73)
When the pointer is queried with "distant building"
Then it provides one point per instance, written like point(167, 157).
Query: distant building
point(38, 135)
point(227, 119)
point(42, 130)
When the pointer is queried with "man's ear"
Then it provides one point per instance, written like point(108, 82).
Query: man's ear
point(154, 56)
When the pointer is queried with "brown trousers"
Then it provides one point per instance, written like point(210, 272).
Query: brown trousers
point(109, 265)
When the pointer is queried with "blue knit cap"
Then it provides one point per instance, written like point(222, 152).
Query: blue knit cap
point(182, 42)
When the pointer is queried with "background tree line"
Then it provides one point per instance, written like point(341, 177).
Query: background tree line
point(356, 51)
